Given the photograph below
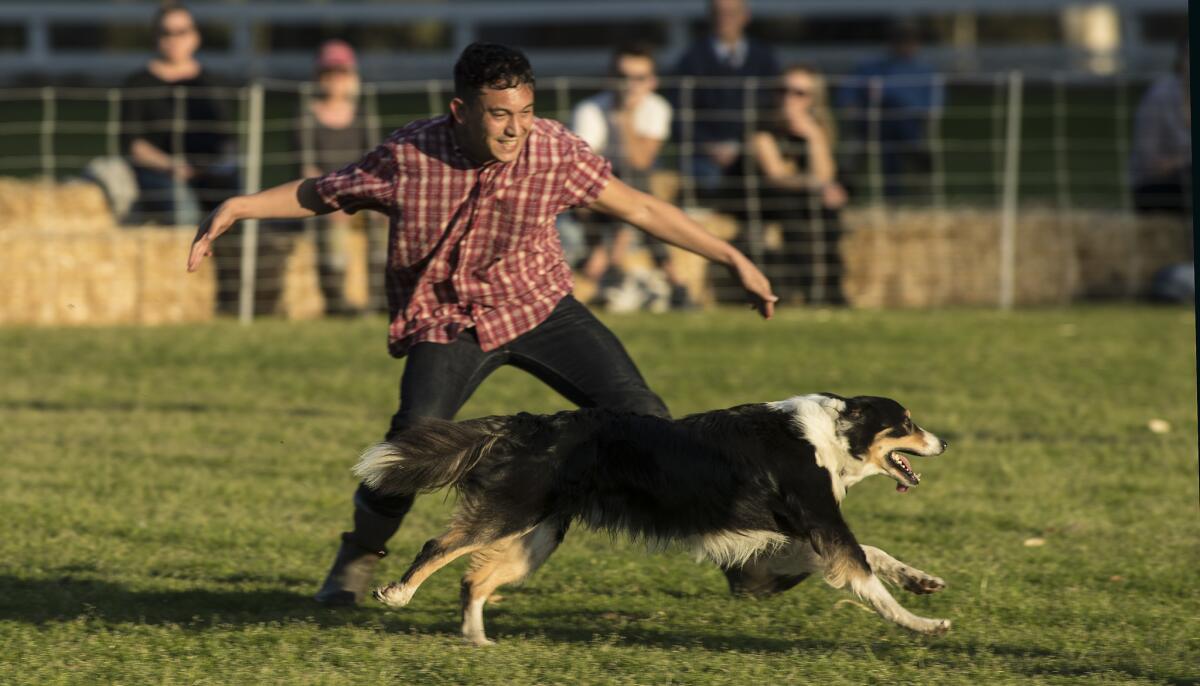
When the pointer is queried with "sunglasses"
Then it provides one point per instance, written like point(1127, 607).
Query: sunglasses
point(798, 92)
point(167, 33)
point(637, 78)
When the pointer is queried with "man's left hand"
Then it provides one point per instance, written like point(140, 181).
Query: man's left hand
point(756, 285)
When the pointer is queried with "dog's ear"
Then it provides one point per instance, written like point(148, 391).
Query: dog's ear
point(853, 408)
point(835, 396)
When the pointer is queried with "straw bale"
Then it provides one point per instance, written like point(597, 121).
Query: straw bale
point(41, 205)
point(1119, 255)
point(123, 277)
point(925, 258)
point(301, 297)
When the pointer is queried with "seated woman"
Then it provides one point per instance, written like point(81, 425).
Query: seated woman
point(181, 152)
point(794, 151)
point(181, 149)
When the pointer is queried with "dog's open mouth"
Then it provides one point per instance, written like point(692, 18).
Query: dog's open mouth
point(902, 471)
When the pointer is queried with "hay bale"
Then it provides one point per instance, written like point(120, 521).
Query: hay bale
point(42, 205)
point(925, 258)
point(301, 297)
point(1119, 255)
point(126, 277)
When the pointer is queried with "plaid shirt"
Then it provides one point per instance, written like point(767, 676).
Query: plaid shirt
point(469, 245)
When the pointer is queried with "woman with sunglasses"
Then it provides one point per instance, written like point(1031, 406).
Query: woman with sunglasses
point(182, 153)
point(793, 150)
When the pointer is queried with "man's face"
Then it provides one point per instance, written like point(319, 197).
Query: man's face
point(729, 19)
point(495, 123)
point(636, 75)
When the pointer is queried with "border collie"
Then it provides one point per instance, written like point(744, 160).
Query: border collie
point(760, 482)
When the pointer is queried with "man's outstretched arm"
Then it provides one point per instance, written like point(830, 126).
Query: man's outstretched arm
point(668, 223)
point(292, 200)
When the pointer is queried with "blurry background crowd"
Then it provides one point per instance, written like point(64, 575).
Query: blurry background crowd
point(1005, 154)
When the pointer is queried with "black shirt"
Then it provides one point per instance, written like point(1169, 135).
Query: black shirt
point(148, 112)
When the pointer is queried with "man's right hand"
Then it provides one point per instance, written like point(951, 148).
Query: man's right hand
point(215, 224)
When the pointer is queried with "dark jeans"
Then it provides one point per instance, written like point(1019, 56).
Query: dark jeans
point(572, 352)
point(1168, 195)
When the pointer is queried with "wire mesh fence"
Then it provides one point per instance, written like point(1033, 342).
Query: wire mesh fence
point(963, 199)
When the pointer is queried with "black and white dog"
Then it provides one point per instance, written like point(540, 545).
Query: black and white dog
point(760, 482)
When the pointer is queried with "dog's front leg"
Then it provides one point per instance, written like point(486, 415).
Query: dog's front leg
point(846, 562)
point(900, 574)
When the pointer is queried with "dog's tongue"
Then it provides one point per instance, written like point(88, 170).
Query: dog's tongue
point(901, 488)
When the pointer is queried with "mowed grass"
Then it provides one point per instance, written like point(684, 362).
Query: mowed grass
point(172, 496)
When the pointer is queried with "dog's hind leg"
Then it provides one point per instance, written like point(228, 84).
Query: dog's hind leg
point(896, 572)
point(502, 564)
point(436, 553)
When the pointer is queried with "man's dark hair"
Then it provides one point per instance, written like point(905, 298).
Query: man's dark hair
point(490, 65)
point(631, 50)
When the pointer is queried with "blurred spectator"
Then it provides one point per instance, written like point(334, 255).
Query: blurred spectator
point(726, 55)
point(1160, 164)
point(181, 157)
point(331, 134)
point(628, 125)
point(794, 149)
point(903, 92)
point(183, 160)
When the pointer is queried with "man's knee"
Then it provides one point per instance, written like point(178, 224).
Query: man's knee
point(380, 505)
point(638, 402)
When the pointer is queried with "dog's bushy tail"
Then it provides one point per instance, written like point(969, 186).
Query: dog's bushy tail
point(430, 455)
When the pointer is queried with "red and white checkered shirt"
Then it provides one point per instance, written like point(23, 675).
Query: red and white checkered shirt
point(469, 245)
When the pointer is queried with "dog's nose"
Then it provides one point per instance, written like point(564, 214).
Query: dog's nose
point(944, 444)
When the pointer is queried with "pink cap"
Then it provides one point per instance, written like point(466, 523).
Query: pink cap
point(336, 54)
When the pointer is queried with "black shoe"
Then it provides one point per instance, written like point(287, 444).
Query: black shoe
point(348, 579)
point(681, 299)
point(359, 554)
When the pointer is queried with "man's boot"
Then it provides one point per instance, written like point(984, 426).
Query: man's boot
point(757, 578)
point(359, 554)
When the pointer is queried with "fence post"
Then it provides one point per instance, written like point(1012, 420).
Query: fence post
point(749, 171)
point(874, 142)
point(562, 99)
point(112, 131)
point(251, 184)
point(1012, 180)
point(433, 95)
point(687, 144)
point(1062, 177)
point(180, 195)
point(49, 115)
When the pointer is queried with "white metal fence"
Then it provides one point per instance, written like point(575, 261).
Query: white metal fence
point(1002, 142)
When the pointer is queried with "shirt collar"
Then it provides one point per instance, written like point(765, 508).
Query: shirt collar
point(735, 55)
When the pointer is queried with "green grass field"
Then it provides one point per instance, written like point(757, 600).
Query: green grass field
point(172, 497)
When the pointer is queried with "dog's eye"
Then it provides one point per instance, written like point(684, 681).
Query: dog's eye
point(908, 424)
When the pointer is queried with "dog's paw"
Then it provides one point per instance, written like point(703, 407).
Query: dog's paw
point(923, 584)
point(394, 595)
point(479, 640)
point(939, 627)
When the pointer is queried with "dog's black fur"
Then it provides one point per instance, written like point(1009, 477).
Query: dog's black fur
point(748, 477)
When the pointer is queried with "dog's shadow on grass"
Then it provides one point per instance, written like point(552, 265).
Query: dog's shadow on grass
point(72, 596)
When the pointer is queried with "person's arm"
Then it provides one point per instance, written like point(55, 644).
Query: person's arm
point(640, 150)
point(782, 173)
point(668, 223)
point(143, 153)
point(292, 200)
